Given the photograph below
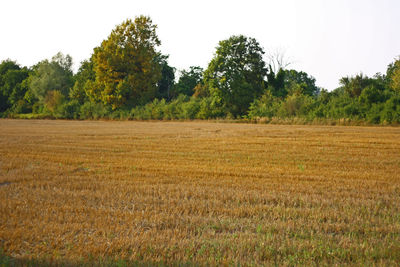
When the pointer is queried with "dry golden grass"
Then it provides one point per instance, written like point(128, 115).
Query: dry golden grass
point(199, 192)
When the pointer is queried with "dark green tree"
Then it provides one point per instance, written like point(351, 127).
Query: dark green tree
point(353, 86)
point(276, 83)
point(236, 74)
point(12, 85)
point(166, 83)
point(188, 80)
point(301, 78)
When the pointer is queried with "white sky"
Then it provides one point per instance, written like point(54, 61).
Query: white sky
point(328, 39)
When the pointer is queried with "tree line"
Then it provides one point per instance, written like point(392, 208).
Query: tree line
point(127, 77)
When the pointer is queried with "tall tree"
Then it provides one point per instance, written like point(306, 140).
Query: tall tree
point(126, 67)
point(276, 82)
point(166, 83)
point(236, 73)
point(12, 85)
point(54, 75)
point(393, 75)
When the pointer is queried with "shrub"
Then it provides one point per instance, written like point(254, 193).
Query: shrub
point(373, 115)
point(265, 107)
point(190, 109)
point(21, 106)
point(210, 108)
point(53, 100)
point(90, 110)
point(37, 108)
point(296, 105)
point(391, 110)
point(70, 110)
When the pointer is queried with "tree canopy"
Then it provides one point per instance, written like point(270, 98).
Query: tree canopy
point(12, 85)
point(125, 64)
point(128, 77)
point(188, 80)
point(54, 75)
point(236, 73)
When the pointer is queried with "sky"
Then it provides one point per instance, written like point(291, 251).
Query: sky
point(328, 39)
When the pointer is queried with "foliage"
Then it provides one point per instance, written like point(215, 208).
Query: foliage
point(276, 83)
point(12, 84)
point(70, 110)
point(394, 75)
point(83, 79)
point(90, 110)
point(235, 76)
point(188, 80)
point(295, 105)
point(266, 106)
point(53, 100)
point(166, 83)
point(306, 82)
point(126, 66)
point(127, 78)
point(52, 75)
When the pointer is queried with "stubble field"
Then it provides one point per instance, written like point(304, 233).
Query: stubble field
point(203, 193)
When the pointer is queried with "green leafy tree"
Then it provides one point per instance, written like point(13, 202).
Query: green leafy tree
point(353, 86)
point(236, 73)
point(126, 65)
point(306, 82)
point(12, 84)
point(188, 80)
point(276, 82)
point(83, 80)
point(52, 75)
point(166, 83)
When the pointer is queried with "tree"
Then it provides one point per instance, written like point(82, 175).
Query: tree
point(277, 60)
point(236, 73)
point(393, 75)
point(83, 79)
point(52, 75)
point(188, 80)
point(276, 83)
point(126, 65)
point(354, 85)
point(301, 78)
point(166, 83)
point(12, 85)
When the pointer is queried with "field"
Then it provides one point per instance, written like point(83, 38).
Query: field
point(201, 193)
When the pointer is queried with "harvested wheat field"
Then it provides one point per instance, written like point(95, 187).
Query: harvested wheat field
point(201, 193)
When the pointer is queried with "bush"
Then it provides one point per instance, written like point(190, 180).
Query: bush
point(373, 115)
point(265, 107)
point(120, 114)
point(296, 105)
point(37, 108)
point(210, 108)
point(69, 110)
point(21, 106)
point(391, 110)
point(190, 109)
point(53, 100)
point(90, 110)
